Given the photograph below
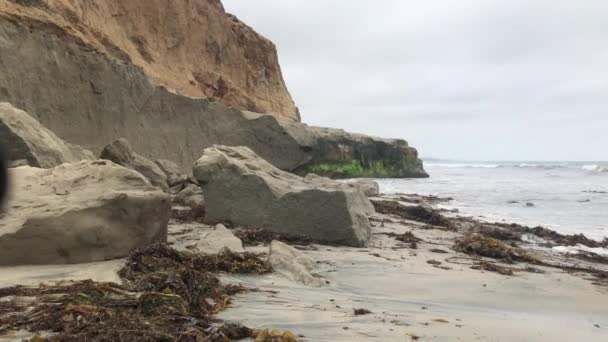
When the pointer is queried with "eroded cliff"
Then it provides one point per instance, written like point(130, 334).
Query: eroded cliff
point(191, 46)
point(89, 98)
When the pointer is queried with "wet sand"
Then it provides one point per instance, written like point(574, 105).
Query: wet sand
point(409, 297)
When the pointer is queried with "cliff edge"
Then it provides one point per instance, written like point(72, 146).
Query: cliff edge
point(202, 51)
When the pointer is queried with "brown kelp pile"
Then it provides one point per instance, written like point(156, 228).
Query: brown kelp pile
point(166, 295)
point(420, 213)
point(480, 245)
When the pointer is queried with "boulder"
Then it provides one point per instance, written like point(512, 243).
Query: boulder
point(191, 196)
point(220, 237)
point(242, 188)
point(121, 153)
point(293, 264)
point(28, 142)
point(174, 174)
point(80, 212)
point(369, 187)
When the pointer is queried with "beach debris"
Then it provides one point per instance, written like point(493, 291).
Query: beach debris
point(166, 295)
point(413, 336)
point(433, 262)
point(260, 236)
point(438, 251)
point(497, 232)
point(479, 245)
point(555, 237)
point(274, 336)
point(361, 312)
point(441, 320)
point(420, 213)
point(407, 237)
point(492, 267)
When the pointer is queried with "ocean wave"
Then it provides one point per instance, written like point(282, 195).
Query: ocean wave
point(594, 168)
point(463, 165)
point(538, 166)
point(578, 248)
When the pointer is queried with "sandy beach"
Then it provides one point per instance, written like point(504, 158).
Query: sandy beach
point(427, 293)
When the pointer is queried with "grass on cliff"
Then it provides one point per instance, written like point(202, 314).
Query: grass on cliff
point(354, 169)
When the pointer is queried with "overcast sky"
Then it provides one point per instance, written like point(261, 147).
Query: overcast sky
point(458, 79)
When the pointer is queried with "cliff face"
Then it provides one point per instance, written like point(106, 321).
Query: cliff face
point(191, 46)
point(90, 98)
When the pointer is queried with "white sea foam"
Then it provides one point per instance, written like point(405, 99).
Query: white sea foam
point(594, 168)
point(465, 165)
point(578, 248)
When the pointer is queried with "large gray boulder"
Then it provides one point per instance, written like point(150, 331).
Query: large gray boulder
point(28, 142)
point(121, 153)
point(80, 212)
point(242, 188)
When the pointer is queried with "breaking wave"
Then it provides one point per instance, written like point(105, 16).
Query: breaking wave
point(596, 168)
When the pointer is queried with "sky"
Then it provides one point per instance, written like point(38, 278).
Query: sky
point(457, 79)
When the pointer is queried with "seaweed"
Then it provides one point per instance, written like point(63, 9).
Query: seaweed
point(166, 295)
point(257, 236)
point(407, 237)
point(492, 267)
point(420, 213)
point(479, 245)
point(361, 312)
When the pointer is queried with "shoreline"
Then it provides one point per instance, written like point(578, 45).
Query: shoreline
point(424, 291)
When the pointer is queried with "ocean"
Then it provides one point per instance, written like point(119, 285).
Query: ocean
point(568, 197)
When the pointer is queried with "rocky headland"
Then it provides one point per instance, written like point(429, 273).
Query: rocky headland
point(164, 188)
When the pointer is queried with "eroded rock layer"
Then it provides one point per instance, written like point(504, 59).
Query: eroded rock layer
point(192, 46)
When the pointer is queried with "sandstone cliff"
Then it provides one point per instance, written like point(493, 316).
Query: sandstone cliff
point(191, 46)
point(89, 98)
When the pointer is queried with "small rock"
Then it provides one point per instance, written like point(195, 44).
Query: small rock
point(121, 153)
point(293, 264)
point(219, 238)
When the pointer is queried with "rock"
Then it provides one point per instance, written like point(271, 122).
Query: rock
point(172, 171)
point(27, 142)
point(336, 153)
point(293, 264)
point(192, 196)
point(217, 239)
point(121, 153)
point(369, 187)
point(80, 212)
point(242, 188)
point(89, 98)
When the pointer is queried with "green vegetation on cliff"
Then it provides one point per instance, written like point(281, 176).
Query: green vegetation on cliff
point(355, 169)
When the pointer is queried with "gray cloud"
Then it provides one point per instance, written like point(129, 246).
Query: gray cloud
point(462, 79)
